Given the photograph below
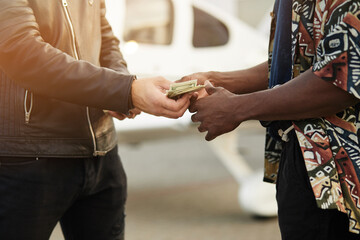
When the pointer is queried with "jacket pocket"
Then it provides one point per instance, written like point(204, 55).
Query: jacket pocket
point(28, 105)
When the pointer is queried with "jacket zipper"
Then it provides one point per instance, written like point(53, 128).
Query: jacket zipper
point(28, 111)
point(67, 14)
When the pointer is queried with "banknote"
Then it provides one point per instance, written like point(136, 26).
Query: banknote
point(177, 89)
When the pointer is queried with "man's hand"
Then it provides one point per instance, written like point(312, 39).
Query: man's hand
point(121, 116)
point(148, 95)
point(215, 112)
point(239, 82)
point(201, 78)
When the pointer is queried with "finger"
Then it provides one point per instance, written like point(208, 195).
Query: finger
point(210, 136)
point(210, 89)
point(194, 96)
point(184, 100)
point(175, 105)
point(193, 99)
point(183, 110)
point(131, 115)
point(202, 93)
point(194, 104)
point(193, 107)
point(195, 118)
point(117, 115)
point(135, 111)
point(202, 128)
point(175, 114)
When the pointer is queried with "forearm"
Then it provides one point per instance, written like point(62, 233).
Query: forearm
point(306, 96)
point(45, 70)
point(243, 81)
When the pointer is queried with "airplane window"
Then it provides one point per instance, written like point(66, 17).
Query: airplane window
point(208, 30)
point(149, 23)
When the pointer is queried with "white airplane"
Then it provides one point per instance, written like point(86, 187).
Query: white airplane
point(173, 38)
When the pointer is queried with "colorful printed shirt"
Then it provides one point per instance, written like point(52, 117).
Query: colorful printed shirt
point(326, 37)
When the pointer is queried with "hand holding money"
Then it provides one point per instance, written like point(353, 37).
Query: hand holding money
point(148, 95)
point(178, 89)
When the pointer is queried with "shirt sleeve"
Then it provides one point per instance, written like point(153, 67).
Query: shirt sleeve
point(337, 57)
point(45, 70)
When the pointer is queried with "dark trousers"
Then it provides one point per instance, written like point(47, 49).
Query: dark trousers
point(87, 196)
point(299, 216)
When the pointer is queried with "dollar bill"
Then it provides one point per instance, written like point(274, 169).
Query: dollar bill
point(178, 89)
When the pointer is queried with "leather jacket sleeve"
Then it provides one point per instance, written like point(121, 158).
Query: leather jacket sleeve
point(111, 56)
point(37, 66)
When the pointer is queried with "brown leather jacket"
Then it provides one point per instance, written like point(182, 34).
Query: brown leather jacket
point(60, 67)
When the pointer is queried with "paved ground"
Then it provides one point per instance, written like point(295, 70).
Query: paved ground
point(179, 190)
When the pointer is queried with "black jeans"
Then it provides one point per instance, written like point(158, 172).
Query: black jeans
point(299, 216)
point(87, 196)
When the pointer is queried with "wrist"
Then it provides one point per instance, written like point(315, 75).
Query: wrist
point(227, 80)
point(131, 94)
point(248, 106)
point(214, 78)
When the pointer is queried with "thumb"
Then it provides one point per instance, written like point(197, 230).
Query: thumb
point(162, 83)
point(210, 89)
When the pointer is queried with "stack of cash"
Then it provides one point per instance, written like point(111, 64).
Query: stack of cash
point(177, 89)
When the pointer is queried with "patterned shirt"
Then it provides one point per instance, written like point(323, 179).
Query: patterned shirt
point(325, 36)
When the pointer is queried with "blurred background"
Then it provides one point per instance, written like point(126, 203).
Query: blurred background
point(180, 186)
